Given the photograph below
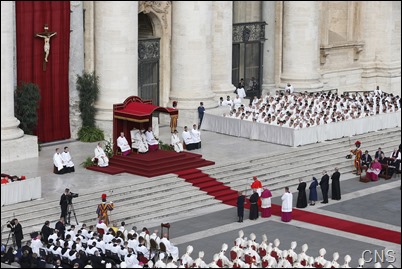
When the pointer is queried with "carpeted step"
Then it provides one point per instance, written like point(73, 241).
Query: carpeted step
point(228, 197)
point(194, 176)
point(222, 193)
point(108, 170)
point(200, 180)
point(216, 189)
point(188, 172)
point(209, 184)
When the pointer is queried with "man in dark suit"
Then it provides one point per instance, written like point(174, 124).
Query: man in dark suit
point(366, 159)
point(16, 228)
point(324, 184)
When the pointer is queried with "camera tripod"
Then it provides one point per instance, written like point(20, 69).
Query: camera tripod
point(70, 208)
point(10, 234)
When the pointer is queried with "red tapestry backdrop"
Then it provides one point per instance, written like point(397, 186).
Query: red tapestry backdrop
point(31, 17)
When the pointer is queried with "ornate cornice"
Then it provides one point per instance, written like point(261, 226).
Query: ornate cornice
point(157, 7)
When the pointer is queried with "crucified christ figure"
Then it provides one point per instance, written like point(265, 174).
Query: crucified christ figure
point(46, 35)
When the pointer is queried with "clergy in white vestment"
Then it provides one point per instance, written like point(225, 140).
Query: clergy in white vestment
point(59, 163)
point(196, 136)
point(65, 155)
point(139, 141)
point(237, 102)
point(187, 138)
point(170, 248)
point(241, 92)
point(287, 204)
point(289, 88)
point(100, 155)
point(153, 143)
point(175, 141)
point(122, 143)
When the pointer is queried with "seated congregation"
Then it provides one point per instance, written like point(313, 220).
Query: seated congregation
point(303, 110)
point(79, 247)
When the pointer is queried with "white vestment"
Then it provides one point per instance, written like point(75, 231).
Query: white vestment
point(241, 93)
point(67, 159)
point(103, 160)
point(139, 141)
point(175, 141)
point(151, 138)
point(122, 143)
point(289, 89)
point(174, 251)
point(266, 202)
point(187, 137)
point(287, 202)
point(237, 102)
point(58, 161)
point(195, 135)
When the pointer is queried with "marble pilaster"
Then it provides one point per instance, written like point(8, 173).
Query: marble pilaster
point(191, 58)
point(222, 48)
point(14, 144)
point(116, 54)
point(301, 45)
point(268, 15)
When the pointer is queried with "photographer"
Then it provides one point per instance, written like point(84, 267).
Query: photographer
point(16, 228)
point(65, 199)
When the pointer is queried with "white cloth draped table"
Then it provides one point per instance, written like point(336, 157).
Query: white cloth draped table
point(20, 191)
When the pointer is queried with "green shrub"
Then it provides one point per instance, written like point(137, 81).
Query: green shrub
point(26, 104)
point(88, 88)
point(88, 162)
point(164, 146)
point(90, 134)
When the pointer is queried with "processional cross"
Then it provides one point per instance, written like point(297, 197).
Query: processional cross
point(46, 35)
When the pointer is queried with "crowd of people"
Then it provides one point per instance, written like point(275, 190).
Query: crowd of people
point(303, 110)
point(118, 247)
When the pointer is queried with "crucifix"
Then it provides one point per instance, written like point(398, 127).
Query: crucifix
point(46, 35)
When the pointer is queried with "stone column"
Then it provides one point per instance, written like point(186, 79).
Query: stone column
point(247, 11)
point(381, 54)
point(14, 145)
point(222, 48)
point(301, 45)
point(116, 54)
point(191, 58)
point(268, 15)
point(76, 64)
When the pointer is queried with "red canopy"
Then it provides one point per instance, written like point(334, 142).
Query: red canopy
point(135, 113)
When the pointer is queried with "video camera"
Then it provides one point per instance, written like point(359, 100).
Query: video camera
point(11, 224)
point(70, 197)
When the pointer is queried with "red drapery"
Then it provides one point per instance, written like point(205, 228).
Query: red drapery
point(31, 17)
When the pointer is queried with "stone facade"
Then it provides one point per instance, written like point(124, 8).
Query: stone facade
point(347, 45)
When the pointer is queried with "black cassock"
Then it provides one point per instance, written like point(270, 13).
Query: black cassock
point(240, 206)
point(254, 206)
point(302, 196)
point(336, 187)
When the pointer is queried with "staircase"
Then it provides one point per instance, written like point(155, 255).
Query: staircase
point(169, 197)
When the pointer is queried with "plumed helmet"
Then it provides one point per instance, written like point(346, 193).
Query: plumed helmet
point(264, 238)
point(189, 249)
point(241, 233)
point(103, 197)
point(335, 256)
point(224, 246)
point(304, 247)
point(293, 245)
point(277, 242)
point(358, 142)
point(252, 236)
point(322, 252)
point(348, 258)
point(201, 254)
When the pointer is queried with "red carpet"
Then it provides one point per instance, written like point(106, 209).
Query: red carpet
point(153, 164)
point(229, 197)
